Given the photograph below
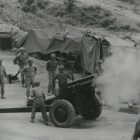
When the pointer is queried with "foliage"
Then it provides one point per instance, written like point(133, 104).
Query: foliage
point(33, 5)
point(129, 1)
point(69, 5)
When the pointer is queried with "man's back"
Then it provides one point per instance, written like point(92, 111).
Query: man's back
point(38, 94)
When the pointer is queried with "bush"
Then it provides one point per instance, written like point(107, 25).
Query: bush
point(29, 2)
point(69, 5)
point(129, 1)
point(33, 5)
point(31, 8)
point(96, 15)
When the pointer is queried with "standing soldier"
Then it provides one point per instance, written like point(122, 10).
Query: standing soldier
point(2, 74)
point(98, 72)
point(21, 61)
point(38, 95)
point(62, 78)
point(29, 72)
point(51, 68)
point(99, 69)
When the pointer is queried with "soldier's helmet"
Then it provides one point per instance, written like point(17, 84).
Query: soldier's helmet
point(100, 62)
point(22, 49)
point(30, 60)
point(36, 83)
point(53, 55)
point(61, 67)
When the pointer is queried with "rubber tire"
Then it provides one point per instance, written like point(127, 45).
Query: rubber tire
point(61, 103)
point(97, 107)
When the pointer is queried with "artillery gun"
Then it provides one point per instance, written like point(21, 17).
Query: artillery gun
point(79, 99)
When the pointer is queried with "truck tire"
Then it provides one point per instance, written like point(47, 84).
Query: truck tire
point(62, 113)
point(95, 111)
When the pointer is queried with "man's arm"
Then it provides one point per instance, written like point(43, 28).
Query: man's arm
point(27, 56)
point(56, 76)
point(47, 65)
point(32, 94)
point(15, 61)
point(35, 68)
point(4, 72)
point(43, 94)
point(24, 70)
point(69, 76)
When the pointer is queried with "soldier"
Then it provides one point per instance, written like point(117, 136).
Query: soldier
point(62, 78)
point(37, 94)
point(29, 72)
point(2, 74)
point(98, 72)
point(99, 69)
point(21, 60)
point(51, 67)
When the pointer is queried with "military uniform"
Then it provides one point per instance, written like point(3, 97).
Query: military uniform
point(21, 60)
point(51, 67)
point(38, 94)
point(29, 72)
point(62, 81)
point(99, 70)
point(2, 74)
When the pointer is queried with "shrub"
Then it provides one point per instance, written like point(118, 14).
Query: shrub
point(69, 5)
point(33, 5)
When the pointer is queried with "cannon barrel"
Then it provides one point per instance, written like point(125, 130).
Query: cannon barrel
point(82, 81)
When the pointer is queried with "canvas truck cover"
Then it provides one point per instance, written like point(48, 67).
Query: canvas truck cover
point(90, 53)
point(65, 43)
point(38, 41)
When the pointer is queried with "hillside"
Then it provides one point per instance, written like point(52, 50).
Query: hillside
point(105, 16)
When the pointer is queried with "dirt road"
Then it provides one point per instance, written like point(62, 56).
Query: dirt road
point(111, 125)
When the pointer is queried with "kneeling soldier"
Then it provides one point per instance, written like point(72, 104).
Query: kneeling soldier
point(38, 95)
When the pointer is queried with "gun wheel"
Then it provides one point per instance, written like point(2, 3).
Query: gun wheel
point(62, 113)
point(95, 111)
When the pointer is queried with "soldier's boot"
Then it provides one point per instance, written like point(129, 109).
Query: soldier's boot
point(46, 123)
point(27, 94)
point(3, 97)
point(32, 120)
point(22, 81)
point(2, 92)
point(22, 84)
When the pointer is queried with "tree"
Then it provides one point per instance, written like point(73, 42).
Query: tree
point(69, 5)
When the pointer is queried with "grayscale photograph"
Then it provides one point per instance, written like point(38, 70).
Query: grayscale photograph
point(69, 69)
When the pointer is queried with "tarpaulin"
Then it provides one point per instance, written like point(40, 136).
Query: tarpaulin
point(65, 44)
point(38, 41)
point(90, 53)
